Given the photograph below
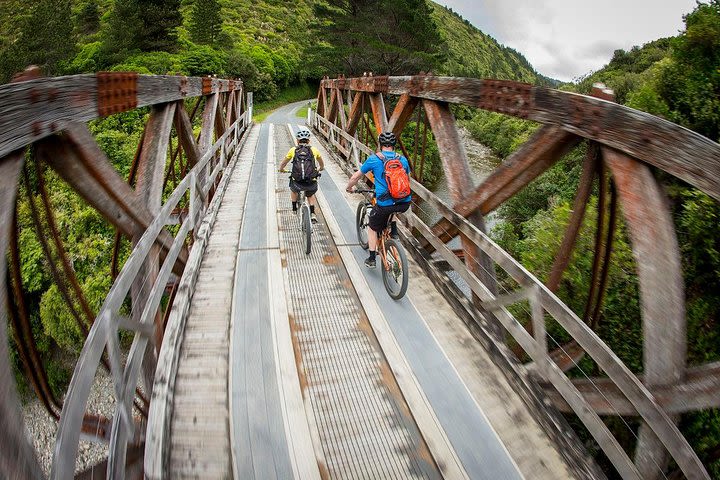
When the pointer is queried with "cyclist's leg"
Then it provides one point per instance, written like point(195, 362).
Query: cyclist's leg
point(294, 195)
point(397, 208)
point(310, 188)
point(377, 222)
point(310, 191)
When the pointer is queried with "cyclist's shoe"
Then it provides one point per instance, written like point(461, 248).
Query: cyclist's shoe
point(393, 230)
point(295, 212)
point(370, 262)
point(313, 218)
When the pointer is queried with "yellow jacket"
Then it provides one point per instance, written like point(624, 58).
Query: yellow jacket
point(315, 152)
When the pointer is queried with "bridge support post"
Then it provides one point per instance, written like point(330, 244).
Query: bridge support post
point(149, 187)
point(457, 171)
point(656, 250)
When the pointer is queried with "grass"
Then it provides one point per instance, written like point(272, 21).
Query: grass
point(301, 113)
point(291, 94)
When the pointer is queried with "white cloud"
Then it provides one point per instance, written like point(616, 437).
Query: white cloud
point(565, 39)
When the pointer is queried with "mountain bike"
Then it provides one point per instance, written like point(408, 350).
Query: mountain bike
point(305, 219)
point(305, 222)
point(392, 254)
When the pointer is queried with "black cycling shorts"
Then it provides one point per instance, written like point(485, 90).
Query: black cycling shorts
point(379, 215)
point(309, 187)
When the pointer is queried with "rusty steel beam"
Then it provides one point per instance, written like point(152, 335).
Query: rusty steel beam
point(402, 113)
point(17, 455)
point(562, 259)
point(151, 166)
point(208, 123)
point(149, 189)
point(341, 110)
point(183, 127)
point(662, 296)
point(356, 112)
point(38, 108)
point(699, 390)
point(321, 102)
point(333, 108)
point(379, 114)
point(534, 157)
point(78, 159)
point(677, 150)
point(230, 113)
point(220, 125)
point(457, 172)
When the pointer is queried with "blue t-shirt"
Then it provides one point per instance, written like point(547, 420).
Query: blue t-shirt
point(375, 165)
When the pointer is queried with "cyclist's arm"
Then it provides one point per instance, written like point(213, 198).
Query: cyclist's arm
point(318, 157)
point(353, 180)
point(288, 157)
point(365, 169)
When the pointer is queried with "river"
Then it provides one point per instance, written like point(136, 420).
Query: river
point(482, 161)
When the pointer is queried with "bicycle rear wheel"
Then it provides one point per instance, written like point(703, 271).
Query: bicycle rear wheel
point(395, 276)
point(306, 228)
point(362, 218)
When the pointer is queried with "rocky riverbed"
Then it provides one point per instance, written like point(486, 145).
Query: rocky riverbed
point(42, 428)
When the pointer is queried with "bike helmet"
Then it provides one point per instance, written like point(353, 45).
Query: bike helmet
point(303, 134)
point(387, 139)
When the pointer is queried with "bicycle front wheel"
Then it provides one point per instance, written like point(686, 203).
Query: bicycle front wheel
point(395, 269)
point(306, 229)
point(362, 218)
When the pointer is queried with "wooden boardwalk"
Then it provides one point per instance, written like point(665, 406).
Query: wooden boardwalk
point(200, 421)
point(296, 366)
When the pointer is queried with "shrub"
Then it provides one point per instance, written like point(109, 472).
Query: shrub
point(202, 60)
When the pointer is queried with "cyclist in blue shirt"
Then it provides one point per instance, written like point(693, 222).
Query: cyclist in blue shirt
point(374, 168)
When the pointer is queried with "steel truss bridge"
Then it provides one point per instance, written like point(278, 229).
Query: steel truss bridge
point(232, 354)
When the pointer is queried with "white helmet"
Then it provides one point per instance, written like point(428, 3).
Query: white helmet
point(303, 134)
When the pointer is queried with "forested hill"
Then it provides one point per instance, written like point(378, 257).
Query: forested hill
point(471, 53)
point(270, 43)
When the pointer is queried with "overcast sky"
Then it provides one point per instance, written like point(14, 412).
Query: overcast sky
point(565, 39)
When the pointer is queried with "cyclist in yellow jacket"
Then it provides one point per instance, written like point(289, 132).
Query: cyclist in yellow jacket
point(304, 171)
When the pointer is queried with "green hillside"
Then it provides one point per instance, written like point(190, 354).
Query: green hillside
point(270, 43)
point(471, 53)
point(279, 48)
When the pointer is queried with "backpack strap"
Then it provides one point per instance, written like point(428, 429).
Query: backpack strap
point(384, 159)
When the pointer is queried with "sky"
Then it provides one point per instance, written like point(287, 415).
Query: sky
point(566, 39)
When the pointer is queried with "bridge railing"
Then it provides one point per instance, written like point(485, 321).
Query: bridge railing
point(157, 440)
point(619, 138)
point(163, 208)
point(104, 334)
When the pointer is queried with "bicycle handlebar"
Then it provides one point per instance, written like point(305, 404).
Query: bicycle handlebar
point(288, 171)
point(361, 190)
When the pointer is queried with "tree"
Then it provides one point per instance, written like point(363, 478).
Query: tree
point(87, 21)
point(45, 39)
point(691, 84)
point(124, 27)
point(393, 37)
point(146, 25)
point(160, 18)
point(205, 21)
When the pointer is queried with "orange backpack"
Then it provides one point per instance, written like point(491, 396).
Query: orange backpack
point(396, 177)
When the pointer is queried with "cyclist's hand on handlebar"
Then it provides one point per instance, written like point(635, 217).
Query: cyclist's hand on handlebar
point(350, 190)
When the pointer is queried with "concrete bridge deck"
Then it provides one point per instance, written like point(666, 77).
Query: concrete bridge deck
point(302, 366)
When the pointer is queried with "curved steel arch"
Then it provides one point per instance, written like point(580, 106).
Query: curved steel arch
point(627, 140)
point(48, 114)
